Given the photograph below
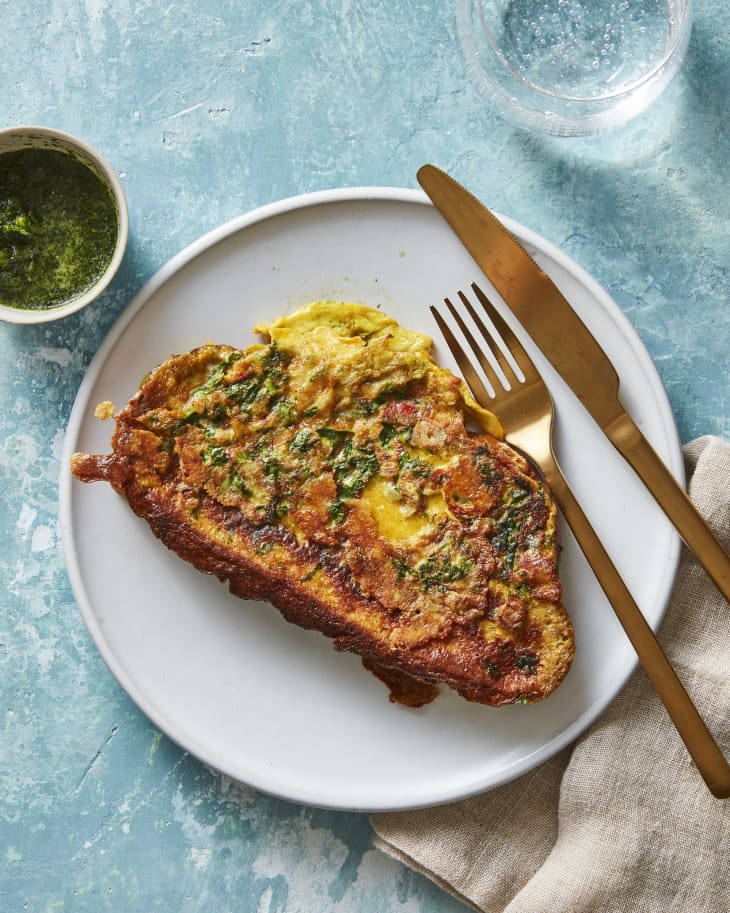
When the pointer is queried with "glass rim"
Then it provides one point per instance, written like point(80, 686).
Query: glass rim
point(470, 47)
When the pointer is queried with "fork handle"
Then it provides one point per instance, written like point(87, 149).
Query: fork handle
point(635, 448)
point(689, 724)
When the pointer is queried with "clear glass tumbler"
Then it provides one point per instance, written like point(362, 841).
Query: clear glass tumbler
point(573, 67)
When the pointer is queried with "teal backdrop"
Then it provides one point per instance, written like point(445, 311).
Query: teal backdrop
point(208, 110)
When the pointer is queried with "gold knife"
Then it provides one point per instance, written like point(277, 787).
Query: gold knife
point(569, 346)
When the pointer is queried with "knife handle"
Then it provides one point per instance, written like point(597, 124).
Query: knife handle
point(668, 493)
point(703, 749)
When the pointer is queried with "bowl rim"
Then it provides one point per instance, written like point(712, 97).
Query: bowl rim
point(34, 137)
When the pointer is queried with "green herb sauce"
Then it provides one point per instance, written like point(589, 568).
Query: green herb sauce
point(58, 228)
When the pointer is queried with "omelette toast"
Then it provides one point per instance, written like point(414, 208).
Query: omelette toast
point(335, 472)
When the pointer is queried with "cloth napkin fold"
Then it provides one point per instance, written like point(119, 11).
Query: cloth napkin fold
point(621, 822)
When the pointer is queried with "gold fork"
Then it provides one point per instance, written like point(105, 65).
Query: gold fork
point(526, 412)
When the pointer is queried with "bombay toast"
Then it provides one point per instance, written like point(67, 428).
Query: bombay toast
point(334, 471)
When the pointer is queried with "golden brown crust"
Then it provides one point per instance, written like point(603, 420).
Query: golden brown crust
point(224, 454)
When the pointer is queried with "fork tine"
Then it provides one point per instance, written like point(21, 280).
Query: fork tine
point(471, 377)
point(523, 360)
point(478, 351)
point(494, 347)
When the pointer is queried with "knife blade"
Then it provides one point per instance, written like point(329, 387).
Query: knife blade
point(576, 355)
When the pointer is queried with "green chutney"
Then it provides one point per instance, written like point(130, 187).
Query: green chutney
point(58, 228)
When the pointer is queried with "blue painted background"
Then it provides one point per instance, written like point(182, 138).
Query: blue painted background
point(207, 110)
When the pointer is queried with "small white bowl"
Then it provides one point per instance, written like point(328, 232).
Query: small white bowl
point(14, 139)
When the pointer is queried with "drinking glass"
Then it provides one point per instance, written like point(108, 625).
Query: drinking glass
point(573, 67)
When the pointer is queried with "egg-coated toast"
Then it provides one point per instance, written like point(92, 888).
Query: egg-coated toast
point(335, 471)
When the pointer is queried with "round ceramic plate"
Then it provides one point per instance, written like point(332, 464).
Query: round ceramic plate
point(230, 681)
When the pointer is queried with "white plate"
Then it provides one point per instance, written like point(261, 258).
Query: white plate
point(230, 681)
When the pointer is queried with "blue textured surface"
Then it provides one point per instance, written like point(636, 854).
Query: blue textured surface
point(207, 110)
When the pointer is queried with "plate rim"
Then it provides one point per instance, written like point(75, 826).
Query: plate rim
point(381, 194)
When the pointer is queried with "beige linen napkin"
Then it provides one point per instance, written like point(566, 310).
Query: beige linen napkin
point(622, 822)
